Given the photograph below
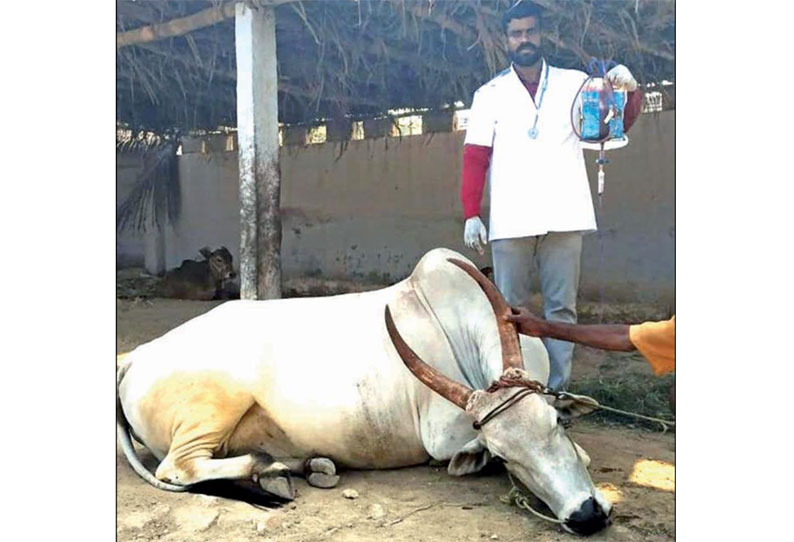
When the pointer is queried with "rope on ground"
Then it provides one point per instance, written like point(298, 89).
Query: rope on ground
point(589, 401)
point(428, 506)
point(663, 423)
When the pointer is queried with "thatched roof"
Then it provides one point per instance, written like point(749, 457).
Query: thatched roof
point(360, 58)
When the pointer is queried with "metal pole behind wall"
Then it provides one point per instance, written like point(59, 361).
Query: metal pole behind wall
point(257, 135)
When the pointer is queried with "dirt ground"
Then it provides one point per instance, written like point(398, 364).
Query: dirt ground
point(634, 467)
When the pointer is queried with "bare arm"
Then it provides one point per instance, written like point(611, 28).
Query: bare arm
point(603, 336)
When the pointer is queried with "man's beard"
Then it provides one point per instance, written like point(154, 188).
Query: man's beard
point(526, 56)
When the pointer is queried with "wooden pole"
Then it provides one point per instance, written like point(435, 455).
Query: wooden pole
point(257, 135)
point(175, 27)
point(183, 25)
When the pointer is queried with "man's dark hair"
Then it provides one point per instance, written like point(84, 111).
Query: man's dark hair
point(521, 9)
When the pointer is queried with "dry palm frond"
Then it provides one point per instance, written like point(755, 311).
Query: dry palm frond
point(155, 199)
point(363, 58)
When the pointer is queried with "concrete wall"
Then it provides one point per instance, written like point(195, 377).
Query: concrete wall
point(634, 250)
point(369, 213)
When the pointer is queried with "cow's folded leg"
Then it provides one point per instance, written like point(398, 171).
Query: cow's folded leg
point(272, 476)
point(318, 471)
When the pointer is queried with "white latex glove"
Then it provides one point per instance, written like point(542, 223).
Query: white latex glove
point(474, 232)
point(621, 78)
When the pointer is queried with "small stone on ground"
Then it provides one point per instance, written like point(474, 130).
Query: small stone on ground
point(350, 494)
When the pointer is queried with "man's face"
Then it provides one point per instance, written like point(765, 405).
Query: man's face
point(523, 41)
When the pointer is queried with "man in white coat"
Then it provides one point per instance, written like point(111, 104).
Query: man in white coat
point(520, 137)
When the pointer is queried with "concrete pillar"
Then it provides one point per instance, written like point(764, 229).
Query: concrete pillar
point(258, 151)
point(339, 129)
point(295, 135)
point(437, 121)
point(377, 127)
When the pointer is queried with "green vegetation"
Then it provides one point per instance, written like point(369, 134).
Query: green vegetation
point(643, 394)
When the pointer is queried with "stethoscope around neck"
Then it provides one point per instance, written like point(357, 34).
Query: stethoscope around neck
point(533, 132)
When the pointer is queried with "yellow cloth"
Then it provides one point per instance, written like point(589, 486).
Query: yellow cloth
point(656, 342)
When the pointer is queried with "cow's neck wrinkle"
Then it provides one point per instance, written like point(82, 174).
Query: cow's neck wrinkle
point(473, 337)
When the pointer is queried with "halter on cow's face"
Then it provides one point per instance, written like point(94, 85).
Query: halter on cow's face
point(518, 425)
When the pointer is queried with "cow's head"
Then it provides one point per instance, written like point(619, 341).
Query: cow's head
point(517, 424)
point(220, 262)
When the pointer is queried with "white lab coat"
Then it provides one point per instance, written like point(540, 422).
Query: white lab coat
point(537, 185)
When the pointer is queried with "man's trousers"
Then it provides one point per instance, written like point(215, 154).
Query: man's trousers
point(556, 255)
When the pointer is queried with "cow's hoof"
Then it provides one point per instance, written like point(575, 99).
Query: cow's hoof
point(324, 481)
point(320, 464)
point(321, 472)
point(277, 481)
point(280, 486)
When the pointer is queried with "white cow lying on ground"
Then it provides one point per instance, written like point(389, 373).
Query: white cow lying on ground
point(254, 390)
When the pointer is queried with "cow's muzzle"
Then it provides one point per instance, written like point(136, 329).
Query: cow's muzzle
point(588, 519)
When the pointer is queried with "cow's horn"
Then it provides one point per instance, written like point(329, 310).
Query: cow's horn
point(508, 334)
point(445, 387)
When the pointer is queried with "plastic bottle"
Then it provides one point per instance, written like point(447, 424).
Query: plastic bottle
point(591, 114)
point(616, 122)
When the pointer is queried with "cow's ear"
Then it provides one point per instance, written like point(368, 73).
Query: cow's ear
point(571, 406)
point(206, 252)
point(469, 459)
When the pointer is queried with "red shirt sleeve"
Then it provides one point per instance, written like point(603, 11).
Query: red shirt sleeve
point(634, 101)
point(476, 160)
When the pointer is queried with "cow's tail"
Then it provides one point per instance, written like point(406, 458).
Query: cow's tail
point(123, 431)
